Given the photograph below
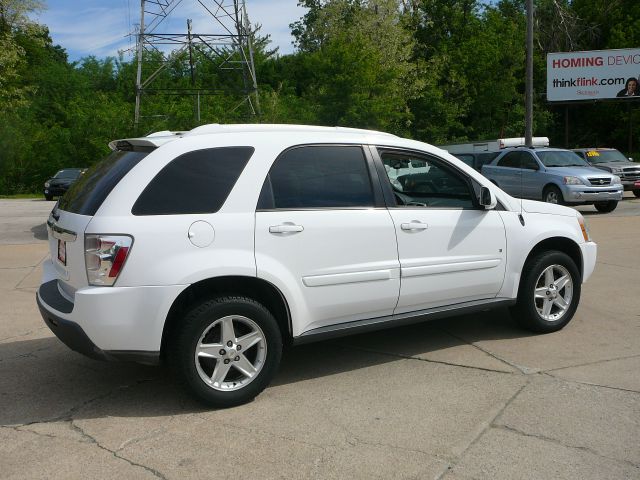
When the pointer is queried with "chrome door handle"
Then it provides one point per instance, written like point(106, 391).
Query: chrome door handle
point(414, 226)
point(286, 228)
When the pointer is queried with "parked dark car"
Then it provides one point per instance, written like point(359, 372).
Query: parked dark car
point(611, 160)
point(57, 185)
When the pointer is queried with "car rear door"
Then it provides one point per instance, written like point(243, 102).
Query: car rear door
point(324, 236)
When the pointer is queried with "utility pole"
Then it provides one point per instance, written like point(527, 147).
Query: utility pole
point(139, 74)
point(528, 102)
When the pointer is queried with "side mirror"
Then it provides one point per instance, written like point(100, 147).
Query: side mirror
point(487, 200)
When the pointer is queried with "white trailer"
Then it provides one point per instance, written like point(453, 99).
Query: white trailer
point(493, 145)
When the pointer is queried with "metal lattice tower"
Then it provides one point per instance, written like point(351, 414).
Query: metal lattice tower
point(229, 48)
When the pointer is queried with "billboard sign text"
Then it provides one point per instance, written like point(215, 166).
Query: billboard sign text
point(593, 75)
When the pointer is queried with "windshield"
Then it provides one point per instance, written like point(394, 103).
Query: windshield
point(87, 194)
point(605, 156)
point(68, 173)
point(561, 158)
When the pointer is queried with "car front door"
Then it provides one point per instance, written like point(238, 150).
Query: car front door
point(451, 250)
point(325, 238)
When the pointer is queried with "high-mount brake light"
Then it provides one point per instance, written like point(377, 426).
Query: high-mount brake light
point(105, 256)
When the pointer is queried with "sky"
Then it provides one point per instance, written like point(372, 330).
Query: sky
point(100, 28)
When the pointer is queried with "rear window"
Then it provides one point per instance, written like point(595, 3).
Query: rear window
point(195, 182)
point(87, 194)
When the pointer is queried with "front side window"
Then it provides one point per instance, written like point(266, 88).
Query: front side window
point(195, 182)
point(425, 182)
point(318, 177)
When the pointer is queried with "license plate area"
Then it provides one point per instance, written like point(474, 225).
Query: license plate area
point(62, 252)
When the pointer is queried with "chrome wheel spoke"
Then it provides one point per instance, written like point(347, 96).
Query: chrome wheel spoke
point(541, 292)
point(546, 308)
point(561, 303)
point(245, 366)
point(249, 340)
point(548, 276)
point(220, 372)
point(228, 333)
point(562, 281)
point(209, 350)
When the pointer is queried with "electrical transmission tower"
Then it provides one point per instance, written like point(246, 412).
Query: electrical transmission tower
point(227, 47)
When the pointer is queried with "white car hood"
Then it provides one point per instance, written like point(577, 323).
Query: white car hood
point(533, 206)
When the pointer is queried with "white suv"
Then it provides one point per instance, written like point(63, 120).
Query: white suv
point(215, 247)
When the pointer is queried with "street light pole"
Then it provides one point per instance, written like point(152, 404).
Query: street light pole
point(528, 120)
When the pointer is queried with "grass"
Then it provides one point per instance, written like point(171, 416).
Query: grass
point(22, 196)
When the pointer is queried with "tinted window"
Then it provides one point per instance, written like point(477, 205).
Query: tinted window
point(468, 159)
point(423, 182)
point(484, 158)
point(510, 160)
point(318, 177)
point(87, 194)
point(528, 161)
point(195, 182)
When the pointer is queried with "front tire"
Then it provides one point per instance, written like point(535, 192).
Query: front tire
point(553, 195)
point(549, 292)
point(606, 207)
point(636, 193)
point(227, 350)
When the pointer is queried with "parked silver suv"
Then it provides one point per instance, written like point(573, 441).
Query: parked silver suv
point(611, 160)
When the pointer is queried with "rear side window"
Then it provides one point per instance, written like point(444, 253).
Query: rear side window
point(195, 182)
point(318, 177)
point(511, 160)
point(87, 194)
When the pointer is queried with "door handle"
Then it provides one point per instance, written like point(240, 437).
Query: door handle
point(414, 225)
point(286, 228)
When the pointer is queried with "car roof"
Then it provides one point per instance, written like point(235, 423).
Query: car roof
point(157, 139)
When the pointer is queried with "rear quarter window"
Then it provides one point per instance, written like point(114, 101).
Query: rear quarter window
point(195, 182)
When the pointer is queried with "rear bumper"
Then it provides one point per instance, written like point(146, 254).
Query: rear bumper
point(109, 322)
point(74, 337)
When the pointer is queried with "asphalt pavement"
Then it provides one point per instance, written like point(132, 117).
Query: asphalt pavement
point(466, 397)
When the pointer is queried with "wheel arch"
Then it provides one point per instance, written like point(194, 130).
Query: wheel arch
point(561, 244)
point(258, 289)
point(549, 185)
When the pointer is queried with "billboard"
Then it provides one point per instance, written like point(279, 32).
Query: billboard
point(593, 75)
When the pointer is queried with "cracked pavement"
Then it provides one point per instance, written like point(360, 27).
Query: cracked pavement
point(471, 397)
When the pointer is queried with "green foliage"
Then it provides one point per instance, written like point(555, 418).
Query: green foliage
point(435, 70)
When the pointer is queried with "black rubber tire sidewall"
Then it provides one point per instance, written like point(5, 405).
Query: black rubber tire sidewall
point(189, 332)
point(525, 311)
point(606, 207)
point(636, 193)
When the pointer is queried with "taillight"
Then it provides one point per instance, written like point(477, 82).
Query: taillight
point(104, 257)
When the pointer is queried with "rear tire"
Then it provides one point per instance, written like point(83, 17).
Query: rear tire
point(636, 193)
point(227, 350)
point(606, 207)
point(553, 194)
point(48, 197)
point(549, 292)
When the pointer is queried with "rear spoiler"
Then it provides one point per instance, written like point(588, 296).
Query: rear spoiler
point(148, 143)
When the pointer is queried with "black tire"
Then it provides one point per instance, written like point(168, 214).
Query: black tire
point(552, 194)
point(48, 197)
point(636, 193)
point(192, 327)
point(606, 207)
point(525, 312)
